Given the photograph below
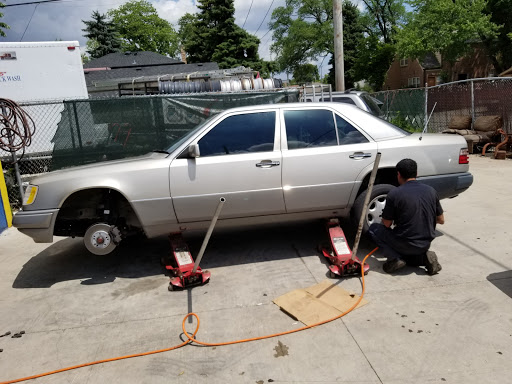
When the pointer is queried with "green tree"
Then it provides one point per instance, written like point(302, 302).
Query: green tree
point(187, 27)
point(445, 26)
point(141, 29)
point(373, 61)
point(212, 35)
point(268, 68)
point(500, 48)
point(381, 19)
point(2, 25)
point(303, 31)
point(102, 34)
point(305, 73)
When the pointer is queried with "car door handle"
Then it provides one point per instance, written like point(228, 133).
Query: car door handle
point(268, 164)
point(360, 155)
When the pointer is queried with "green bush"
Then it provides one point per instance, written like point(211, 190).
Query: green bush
point(402, 122)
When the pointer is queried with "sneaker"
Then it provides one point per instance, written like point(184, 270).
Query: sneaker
point(432, 264)
point(393, 265)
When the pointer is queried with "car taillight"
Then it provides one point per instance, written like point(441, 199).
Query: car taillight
point(464, 156)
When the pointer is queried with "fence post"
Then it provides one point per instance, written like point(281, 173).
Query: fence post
point(426, 109)
point(77, 126)
point(472, 103)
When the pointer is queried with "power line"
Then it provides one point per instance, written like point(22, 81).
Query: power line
point(268, 10)
point(262, 37)
point(31, 3)
point(34, 11)
point(247, 14)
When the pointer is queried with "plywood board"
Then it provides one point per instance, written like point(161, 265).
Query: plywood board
point(317, 303)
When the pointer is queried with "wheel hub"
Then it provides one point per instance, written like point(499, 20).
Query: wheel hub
point(99, 239)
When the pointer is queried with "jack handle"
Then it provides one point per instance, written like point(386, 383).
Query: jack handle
point(365, 205)
point(208, 234)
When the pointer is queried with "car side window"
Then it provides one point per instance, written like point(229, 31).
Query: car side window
point(310, 128)
point(250, 132)
point(347, 133)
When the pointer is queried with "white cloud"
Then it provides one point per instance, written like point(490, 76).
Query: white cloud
point(173, 10)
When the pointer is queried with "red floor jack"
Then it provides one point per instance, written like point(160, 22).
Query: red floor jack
point(187, 273)
point(344, 261)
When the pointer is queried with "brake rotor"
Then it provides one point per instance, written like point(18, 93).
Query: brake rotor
point(99, 239)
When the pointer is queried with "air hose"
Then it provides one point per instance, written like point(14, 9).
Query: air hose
point(191, 337)
point(16, 128)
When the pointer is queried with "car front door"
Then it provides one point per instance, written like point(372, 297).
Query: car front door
point(323, 154)
point(240, 160)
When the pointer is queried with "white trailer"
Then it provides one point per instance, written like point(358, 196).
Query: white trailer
point(41, 76)
point(41, 71)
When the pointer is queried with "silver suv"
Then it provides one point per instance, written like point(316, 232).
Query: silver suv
point(360, 99)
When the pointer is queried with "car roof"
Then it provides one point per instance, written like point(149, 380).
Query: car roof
point(334, 105)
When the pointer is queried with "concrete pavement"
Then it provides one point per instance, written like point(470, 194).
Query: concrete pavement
point(455, 327)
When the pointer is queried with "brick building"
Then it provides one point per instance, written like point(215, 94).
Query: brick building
point(413, 73)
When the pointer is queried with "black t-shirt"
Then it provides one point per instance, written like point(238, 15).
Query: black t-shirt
point(413, 207)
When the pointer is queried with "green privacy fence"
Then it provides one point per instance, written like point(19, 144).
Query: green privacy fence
point(79, 132)
point(105, 129)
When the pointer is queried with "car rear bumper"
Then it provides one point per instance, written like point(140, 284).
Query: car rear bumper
point(449, 185)
point(36, 224)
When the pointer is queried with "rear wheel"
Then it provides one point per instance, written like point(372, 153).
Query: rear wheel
point(375, 206)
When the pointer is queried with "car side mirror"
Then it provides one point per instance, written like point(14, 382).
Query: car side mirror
point(193, 150)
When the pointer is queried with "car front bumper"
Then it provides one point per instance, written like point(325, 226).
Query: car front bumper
point(36, 224)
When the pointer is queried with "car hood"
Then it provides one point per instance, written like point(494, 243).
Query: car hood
point(106, 167)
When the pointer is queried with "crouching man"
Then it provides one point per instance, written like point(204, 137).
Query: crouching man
point(414, 209)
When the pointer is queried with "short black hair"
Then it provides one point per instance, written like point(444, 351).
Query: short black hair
point(407, 168)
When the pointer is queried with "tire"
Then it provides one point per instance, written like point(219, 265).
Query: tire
point(375, 206)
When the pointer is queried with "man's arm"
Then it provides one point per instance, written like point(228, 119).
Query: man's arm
point(439, 219)
point(387, 223)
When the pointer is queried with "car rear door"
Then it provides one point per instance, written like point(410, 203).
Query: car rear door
point(240, 160)
point(323, 154)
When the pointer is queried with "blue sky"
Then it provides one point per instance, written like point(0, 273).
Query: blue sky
point(63, 19)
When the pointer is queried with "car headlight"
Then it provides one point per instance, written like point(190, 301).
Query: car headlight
point(30, 194)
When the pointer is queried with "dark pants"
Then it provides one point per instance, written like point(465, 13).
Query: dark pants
point(396, 248)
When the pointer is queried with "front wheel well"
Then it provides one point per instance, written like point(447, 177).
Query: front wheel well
point(96, 205)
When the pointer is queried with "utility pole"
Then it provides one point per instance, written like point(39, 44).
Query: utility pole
point(339, 68)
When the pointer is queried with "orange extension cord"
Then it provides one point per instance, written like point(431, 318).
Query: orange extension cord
point(191, 338)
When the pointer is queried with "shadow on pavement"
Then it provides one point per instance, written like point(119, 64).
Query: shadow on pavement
point(68, 259)
point(502, 281)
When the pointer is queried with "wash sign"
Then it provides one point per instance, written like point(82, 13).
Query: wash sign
point(5, 208)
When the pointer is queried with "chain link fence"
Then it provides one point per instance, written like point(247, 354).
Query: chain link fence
point(79, 132)
point(411, 108)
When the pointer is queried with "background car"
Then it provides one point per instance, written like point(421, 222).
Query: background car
point(360, 99)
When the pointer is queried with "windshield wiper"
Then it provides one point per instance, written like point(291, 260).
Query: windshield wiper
point(159, 151)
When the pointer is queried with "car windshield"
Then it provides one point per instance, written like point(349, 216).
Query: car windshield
point(374, 107)
point(185, 137)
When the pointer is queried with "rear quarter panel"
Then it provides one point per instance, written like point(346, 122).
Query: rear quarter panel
point(436, 154)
